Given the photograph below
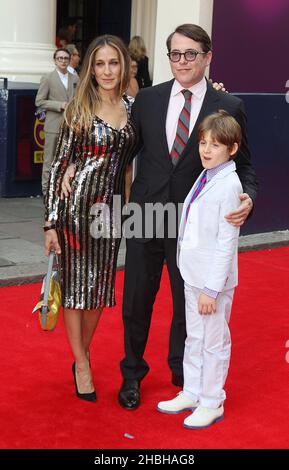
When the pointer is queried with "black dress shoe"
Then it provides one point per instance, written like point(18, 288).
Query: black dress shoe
point(83, 396)
point(129, 394)
point(177, 380)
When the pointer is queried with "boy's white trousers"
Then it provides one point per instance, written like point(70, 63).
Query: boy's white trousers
point(207, 349)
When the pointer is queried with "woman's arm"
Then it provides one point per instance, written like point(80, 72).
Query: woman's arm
point(128, 182)
point(65, 154)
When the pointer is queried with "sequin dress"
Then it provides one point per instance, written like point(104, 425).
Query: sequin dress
point(86, 221)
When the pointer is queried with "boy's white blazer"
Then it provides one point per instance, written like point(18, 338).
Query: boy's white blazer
point(207, 244)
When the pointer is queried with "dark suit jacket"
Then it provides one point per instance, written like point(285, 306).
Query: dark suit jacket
point(143, 76)
point(157, 180)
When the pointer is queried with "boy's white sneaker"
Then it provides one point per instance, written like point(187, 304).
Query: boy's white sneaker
point(203, 417)
point(177, 405)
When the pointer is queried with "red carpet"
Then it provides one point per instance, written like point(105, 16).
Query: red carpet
point(38, 407)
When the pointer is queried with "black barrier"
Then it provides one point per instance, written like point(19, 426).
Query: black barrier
point(5, 82)
point(21, 141)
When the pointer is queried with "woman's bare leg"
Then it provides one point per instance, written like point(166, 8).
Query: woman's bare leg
point(90, 321)
point(73, 321)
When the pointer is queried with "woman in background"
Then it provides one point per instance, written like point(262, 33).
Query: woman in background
point(137, 51)
point(133, 87)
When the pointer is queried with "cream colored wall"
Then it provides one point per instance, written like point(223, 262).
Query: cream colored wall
point(27, 38)
point(143, 23)
point(170, 14)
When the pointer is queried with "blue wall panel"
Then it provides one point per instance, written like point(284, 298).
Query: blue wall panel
point(268, 132)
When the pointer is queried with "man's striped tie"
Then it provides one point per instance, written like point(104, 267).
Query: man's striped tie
point(182, 134)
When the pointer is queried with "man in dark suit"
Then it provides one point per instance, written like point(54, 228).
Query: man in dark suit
point(166, 173)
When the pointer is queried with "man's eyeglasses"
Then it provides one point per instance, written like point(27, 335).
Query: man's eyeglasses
point(62, 59)
point(190, 56)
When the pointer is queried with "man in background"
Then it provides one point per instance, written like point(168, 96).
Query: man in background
point(74, 59)
point(55, 91)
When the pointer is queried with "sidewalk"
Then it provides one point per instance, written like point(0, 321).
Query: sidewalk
point(22, 257)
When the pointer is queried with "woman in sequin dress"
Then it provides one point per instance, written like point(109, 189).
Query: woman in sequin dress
point(99, 139)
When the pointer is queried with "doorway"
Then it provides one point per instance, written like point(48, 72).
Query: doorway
point(93, 18)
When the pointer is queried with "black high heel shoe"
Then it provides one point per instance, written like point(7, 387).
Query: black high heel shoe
point(83, 396)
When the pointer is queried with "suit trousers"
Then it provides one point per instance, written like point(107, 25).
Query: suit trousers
point(50, 144)
point(143, 270)
point(207, 349)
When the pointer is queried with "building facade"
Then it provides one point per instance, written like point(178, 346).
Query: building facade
point(28, 29)
point(250, 40)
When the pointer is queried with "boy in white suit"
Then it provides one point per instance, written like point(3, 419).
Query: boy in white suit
point(207, 259)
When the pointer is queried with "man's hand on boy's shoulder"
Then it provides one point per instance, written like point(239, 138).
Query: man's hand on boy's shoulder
point(239, 216)
point(218, 85)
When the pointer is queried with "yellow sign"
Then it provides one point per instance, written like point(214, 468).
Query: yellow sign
point(39, 132)
point(38, 156)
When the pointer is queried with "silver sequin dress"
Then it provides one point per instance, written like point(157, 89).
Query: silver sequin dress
point(88, 262)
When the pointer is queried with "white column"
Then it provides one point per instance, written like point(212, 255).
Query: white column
point(143, 23)
point(170, 14)
point(27, 38)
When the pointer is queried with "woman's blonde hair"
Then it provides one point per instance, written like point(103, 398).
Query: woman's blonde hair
point(80, 111)
point(137, 48)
